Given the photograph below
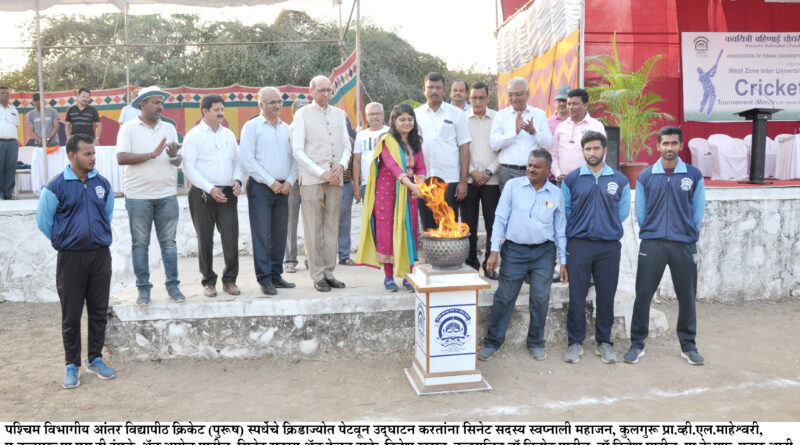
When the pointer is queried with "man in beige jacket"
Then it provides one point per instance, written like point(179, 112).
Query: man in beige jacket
point(321, 148)
point(483, 189)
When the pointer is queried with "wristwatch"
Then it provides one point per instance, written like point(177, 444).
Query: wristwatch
point(488, 172)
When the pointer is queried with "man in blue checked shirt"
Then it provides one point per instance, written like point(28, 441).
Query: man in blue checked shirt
point(530, 216)
point(670, 203)
point(597, 200)
point(75, 214)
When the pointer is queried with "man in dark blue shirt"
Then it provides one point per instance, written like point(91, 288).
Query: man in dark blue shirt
point(75, 214)
point(597, 200)
point(670, 203)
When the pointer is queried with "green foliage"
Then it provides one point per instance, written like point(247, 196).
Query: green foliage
point(622, 96)
point(392, 70)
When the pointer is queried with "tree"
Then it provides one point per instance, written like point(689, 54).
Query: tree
point(392, 70)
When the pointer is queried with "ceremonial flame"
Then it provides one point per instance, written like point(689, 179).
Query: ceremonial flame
point(442, 213)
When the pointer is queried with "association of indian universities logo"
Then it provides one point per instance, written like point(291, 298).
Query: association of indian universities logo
point(101, 192)
point(686, 184)
point(612, 188)
point(452, 327)
point(701, 45)
point(420, 323)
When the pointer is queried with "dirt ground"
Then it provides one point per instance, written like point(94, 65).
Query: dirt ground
point(752, 373)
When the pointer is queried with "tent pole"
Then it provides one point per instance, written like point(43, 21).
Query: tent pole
point(127, 60)
point(42, 119)
point(582, 46)
point(358, 64)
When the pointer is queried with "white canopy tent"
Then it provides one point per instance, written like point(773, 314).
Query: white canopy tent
point(124, 5)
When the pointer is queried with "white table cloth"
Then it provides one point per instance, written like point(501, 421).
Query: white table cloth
point(788, 162)
point(105, 164)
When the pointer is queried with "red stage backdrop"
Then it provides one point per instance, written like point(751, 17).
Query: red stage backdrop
point(646, 28)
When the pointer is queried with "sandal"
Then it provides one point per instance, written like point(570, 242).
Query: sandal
point(346, 262)
point(290, 268)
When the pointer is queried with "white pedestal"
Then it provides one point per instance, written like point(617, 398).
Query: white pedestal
point(445, 358)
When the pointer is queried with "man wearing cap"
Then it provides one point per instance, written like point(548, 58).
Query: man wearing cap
point(566, 149)
point(211, 164)
point(321, 148)
point(128, 112)
point(560, 113)
point(148, 148)
point(9, 147)
point(517, 130)
point(34, 123)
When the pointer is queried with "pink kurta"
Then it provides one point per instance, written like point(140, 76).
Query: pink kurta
point(385, 195)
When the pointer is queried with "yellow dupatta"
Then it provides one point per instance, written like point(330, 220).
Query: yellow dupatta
point(404, 249)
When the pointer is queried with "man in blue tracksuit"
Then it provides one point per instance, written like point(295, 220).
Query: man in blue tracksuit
point(670, 202)
point(597, 199)
point(75, 214)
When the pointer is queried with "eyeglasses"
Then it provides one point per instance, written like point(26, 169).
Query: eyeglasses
point(519, 94)
point(434, 87)
point(325, 91)
point(374, 114)
point(273, 102)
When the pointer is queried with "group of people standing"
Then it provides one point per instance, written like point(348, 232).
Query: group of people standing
point(542, 185)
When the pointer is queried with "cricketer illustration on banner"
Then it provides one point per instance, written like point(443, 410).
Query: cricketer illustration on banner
point(728, 72)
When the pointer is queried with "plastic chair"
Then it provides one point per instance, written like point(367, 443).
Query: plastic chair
point(787, 163)
point(701, 155)
point(729, 158)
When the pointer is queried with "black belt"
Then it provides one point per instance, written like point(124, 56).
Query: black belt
point(8, 140)
point(529, 245)
point(514, 167)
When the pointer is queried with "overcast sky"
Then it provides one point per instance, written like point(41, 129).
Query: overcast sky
point(461, 32)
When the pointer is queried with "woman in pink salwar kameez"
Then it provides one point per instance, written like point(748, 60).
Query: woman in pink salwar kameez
point(399, 161)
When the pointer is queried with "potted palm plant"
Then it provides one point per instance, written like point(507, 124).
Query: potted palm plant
point(621, 95)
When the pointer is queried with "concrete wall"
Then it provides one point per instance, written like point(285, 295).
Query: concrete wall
point(749, 247)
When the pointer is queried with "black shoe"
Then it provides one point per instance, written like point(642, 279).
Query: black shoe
point(268, 289)
point(492, 276)
point(322, 286)
point(333, 282)
point(282, 284)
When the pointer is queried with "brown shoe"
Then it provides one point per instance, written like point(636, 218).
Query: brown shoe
point(231, 288)
point(210, 291)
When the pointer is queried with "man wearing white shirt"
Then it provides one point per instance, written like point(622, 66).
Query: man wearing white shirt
point(211, 163)
point(267, 158)
point(445, 145)
point(9, 147)
point(566, 150)
point(365, 145)
point(128, 112)
point(517, 130)
point(148, 148)
point(321, 148)
point(459, 90)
